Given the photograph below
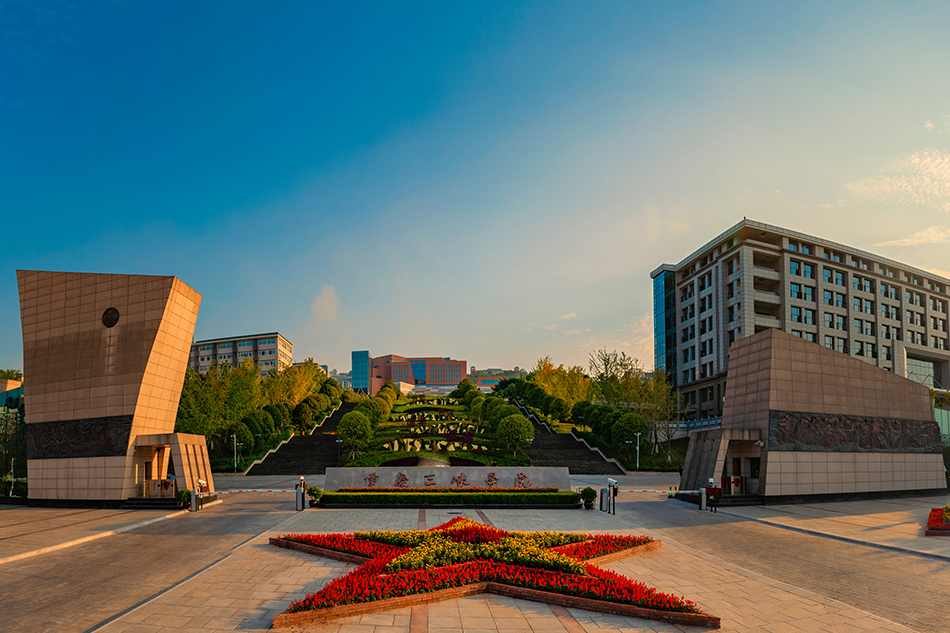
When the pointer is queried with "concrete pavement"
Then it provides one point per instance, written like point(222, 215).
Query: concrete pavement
point(746, 567)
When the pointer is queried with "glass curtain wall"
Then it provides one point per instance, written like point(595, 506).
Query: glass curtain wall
point(12, 444)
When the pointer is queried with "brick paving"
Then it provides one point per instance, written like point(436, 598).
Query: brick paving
point(245, 591)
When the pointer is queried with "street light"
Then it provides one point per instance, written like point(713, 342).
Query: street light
point(629, 442)
point(339, 443)
point(638, 451)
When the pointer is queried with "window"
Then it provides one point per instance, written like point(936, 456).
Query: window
point(809, 316)
point(796, 291)
point(857, 304)
point(225, 345)
point(792, 246)
point(887, 352)
point(732, 314)
point(796, 333)
point(840, 300)
point(806, 249)
point(868, 307)
point(796, 314)
point(859, 326)
point(245, 343)
point(829, 297)
point(809, 336)
point(808, 271)
point(839, 278)
point(730, 266)
point(809, 293)
point(829, 320)
point(859, 348)
point(841, 345)
point(795, 268)
point(830, 342)
point(841, 323)
point(206, 348)
point(732, 336)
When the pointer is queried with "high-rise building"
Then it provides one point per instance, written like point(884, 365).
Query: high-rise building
point(369, 374)
point(269, 351)
point(756, 276)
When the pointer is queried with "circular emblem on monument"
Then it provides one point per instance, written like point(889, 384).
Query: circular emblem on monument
point(110, 317)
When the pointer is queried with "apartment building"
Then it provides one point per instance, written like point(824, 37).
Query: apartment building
point(756, 276)
point(270, 351)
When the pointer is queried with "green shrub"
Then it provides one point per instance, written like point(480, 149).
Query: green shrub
point(588, 494)
point(314, 493)
point(514, 431)
point(355, 431)
point(183, 497)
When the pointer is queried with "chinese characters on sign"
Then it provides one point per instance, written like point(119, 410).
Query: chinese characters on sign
point(371, 480)
point(430, 480)
point(491, 480)
point(522, 481)
point(460, 480)
point(401, 480)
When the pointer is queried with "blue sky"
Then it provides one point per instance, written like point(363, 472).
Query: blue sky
point(487, 181)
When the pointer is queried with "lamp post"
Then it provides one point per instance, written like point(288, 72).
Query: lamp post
point(629, 442)
point(234, 437)
point(638, 451)
point(339, 444)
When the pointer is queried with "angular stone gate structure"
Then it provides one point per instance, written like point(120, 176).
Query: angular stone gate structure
point(803, 421)
point(104, 358)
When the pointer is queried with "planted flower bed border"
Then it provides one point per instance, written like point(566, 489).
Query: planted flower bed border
point(938, 523)
point(399, 569)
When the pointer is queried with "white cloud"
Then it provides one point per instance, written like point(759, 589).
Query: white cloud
point(551, 326)
point(569, 315)
point(326, 305)
point(576, 332)
point(933, 235)
point(920, 178)
point(929, 126)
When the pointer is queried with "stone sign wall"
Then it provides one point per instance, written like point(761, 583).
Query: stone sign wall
point(448, 477)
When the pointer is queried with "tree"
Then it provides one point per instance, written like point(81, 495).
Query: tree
point(570, 384)
point(277, 416)
point(618, 376)
point(664, 410)
point(600, 418)
point(302, 417)
point(499, 413)
point(626, 427)
point(514, 431)
point(579, 413)
point(355, 430)
point(560, 410)
point(11, 374)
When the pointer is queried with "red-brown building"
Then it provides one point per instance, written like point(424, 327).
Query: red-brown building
point(430, 370)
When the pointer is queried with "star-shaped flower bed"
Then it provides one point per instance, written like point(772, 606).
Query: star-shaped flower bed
point(463, 557)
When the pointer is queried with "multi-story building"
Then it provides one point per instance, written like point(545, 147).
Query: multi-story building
point(370, 374)
point(756, 276)
point(269, 351)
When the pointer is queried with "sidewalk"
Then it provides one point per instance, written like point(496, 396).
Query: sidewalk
point(26, 532)
point(257, 581)
point(892, 523)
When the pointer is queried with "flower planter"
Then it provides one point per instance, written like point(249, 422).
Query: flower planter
point(463, 557)
point(588, 505)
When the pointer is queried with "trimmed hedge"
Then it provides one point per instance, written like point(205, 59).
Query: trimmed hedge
point(562, 497)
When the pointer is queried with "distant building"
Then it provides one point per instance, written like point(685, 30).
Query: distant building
point(269, 351)
point(370, 374)
point(487, 383)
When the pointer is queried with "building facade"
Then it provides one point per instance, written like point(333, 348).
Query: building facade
point(370, 374)
point(105, 357)
point(755, 276)
point(270, 351)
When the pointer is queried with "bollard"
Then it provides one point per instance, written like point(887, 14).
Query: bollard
point(702, 498)
point(194, 501)
point(300, 495)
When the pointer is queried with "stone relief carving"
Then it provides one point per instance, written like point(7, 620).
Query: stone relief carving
point(90, 437)
point(795, 431)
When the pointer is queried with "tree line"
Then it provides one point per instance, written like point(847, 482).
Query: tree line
point(231, 404)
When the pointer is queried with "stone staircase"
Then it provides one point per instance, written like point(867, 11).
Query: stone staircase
point(561, 449)
point(306, 454)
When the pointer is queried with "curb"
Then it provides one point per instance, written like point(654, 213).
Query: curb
point(93, 537)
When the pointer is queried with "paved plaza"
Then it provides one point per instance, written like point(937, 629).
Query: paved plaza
point(815, 567)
